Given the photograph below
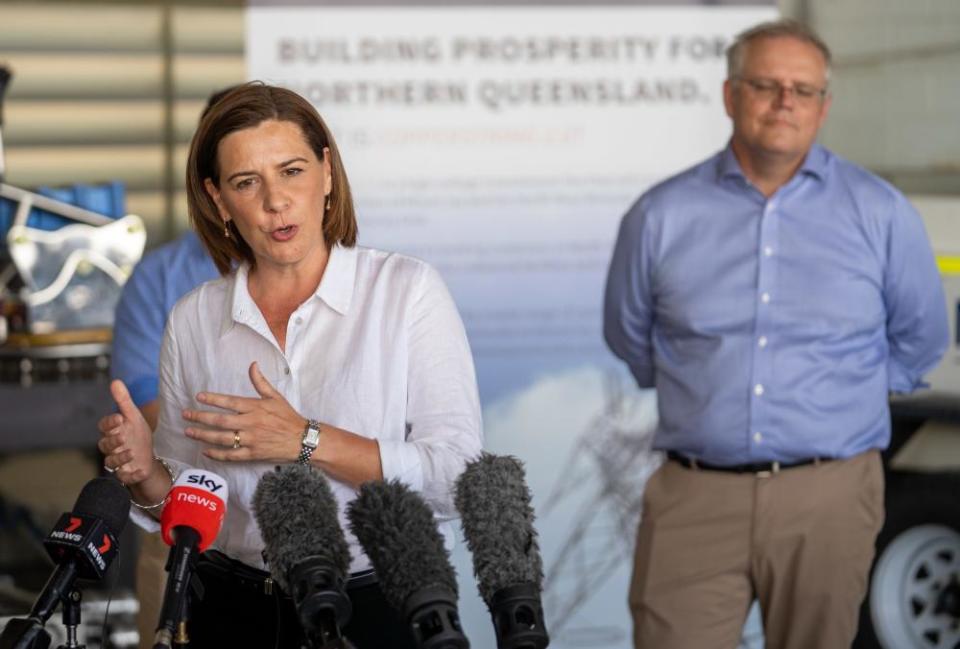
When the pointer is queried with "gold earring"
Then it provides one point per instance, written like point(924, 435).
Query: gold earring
point(226, 229)
point(327, 207)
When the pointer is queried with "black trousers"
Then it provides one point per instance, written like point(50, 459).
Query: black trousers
point(236, 612)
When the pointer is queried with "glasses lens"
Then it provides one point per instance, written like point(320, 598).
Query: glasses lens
point(771, 89)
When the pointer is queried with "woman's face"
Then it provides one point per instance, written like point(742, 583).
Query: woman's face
point(273, 188)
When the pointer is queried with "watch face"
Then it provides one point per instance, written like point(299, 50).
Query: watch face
point(312, 437)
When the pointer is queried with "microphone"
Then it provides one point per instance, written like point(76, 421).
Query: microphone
point(83, 543)
point(306, 549)
point(397, 531)
point(494, 505)
point(193, 512)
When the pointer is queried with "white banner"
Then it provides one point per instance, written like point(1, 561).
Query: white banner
point(503, 144)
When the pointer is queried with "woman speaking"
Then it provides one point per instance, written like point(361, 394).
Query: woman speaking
point(308, 349)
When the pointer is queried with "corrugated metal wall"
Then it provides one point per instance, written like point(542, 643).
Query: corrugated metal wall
point(113, 92)
point(896, 87)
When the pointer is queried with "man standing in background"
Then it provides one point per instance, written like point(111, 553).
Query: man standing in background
point(159, 280)
point(773, 294)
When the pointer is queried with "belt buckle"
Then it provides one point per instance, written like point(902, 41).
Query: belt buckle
point(774, 469)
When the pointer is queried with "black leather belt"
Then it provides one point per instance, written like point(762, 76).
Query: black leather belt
point(217, 565)
point(759, 468)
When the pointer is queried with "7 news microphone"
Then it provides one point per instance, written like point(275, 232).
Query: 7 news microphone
point(398, 533)
point(306, 550)
point(494, 505)
point(192, 515)
point(83, 544)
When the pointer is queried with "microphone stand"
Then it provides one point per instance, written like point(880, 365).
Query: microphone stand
point(24, 633)
point(71, 619)
point(28, 633)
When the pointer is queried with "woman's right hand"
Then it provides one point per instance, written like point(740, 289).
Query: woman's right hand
point(126, 439)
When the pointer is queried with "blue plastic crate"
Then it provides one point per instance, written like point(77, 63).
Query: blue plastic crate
point(108, 199)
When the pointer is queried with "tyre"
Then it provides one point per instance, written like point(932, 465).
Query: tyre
point(913, 601)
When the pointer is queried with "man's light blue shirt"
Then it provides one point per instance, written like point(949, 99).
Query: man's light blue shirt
point(159, 280)
point(773, 328)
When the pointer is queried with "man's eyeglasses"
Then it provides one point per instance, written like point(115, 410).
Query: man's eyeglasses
point(770, 89)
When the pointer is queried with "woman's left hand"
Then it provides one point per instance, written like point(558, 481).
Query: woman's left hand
point(267, 428)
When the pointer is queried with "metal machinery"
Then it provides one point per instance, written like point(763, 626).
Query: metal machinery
point(914, 596)
point(65, 254)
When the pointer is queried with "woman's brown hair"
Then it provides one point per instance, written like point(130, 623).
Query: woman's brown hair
point(247, 106)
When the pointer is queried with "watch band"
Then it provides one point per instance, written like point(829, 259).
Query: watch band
point(309, 441)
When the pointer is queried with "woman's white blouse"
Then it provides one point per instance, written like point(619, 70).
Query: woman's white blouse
point(378, 350)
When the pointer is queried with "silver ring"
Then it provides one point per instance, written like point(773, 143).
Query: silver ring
point(236, 439)
point(108, 469)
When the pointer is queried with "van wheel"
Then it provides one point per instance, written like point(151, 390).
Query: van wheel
point(913, 601)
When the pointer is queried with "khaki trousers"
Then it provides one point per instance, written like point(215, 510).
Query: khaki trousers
point(801, 541)
point(151, 582)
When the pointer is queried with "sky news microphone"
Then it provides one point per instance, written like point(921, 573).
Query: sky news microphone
point(83, 543)
point(397, 531)
point(494, 505)
point(192, 515)
point(306, 550)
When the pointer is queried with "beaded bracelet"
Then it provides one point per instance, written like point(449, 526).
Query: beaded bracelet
point(173, 478)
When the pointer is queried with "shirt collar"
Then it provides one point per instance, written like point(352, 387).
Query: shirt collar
point(335, 289)
point(815, 164)
point(727, 166)
point(238, 297)
point(336, 285)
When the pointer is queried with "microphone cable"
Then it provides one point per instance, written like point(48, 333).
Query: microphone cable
point(110, 590)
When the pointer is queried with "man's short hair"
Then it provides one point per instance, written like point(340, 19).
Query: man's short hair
point(246, 106)
point(785, 28)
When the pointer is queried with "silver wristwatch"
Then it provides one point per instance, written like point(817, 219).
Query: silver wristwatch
point(309, 442)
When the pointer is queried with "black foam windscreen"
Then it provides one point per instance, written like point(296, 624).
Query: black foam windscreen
point(105, 498)
point(494, 504)
point(397, 531)
point(297, 515)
